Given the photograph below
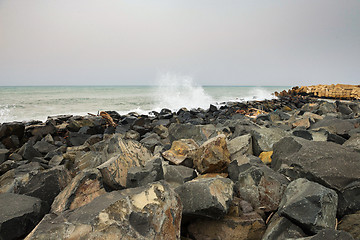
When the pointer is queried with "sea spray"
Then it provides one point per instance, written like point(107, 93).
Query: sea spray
point(175, 92)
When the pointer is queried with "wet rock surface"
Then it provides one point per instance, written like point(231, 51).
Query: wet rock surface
point(285, 168)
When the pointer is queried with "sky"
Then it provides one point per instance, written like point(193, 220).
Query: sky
point(133, 42)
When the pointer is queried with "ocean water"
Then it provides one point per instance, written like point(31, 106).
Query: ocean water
point(37, 103)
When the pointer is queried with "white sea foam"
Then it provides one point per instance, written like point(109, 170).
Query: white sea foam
point(6, 114)
point(175, 92)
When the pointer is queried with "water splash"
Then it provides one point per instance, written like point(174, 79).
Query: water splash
point(175, 92)
point(6, 114)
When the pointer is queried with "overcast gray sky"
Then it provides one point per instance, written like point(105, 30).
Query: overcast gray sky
point(217, 42)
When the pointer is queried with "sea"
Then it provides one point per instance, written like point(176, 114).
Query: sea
point(26, 103)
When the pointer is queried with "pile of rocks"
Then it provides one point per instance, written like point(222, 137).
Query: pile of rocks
point(338, 91)
point(289, 173)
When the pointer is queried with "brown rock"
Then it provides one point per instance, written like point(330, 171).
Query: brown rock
point(85, 187)
point(351, 224)
point(213, 155)
point(180, 150)
point(249, 226)
point(266, 157)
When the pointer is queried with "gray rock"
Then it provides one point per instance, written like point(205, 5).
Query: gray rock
point(150, 141)
point(239, 146)
point(353, 142)
point(56, 161)
point(309, 204)
point(44, 147)
point(334, 125)
point(199, 133)
point(27, 151)
point(132, 134)
point(177, 175)
point(46, 185)
point(265, 138)
point(77, 139)
point(8, 165)
point(209, 197)
point(242, 164)
point(309, 158)
point(149, 212)
point(280, 228)
point(41, 129)
point(262, 187)
point(19, 214)
point(140, 176)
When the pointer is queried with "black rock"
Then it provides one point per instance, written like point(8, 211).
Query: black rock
point(77, 139)
point(19, 214)
point(177, 175)
point(303, 134)
point(27, 151)
point(13, 128)
point(151, 140)
point(44, 147)
point(4, 154)
point(330, 234)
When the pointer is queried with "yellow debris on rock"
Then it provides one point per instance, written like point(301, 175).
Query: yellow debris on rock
point(266, 157)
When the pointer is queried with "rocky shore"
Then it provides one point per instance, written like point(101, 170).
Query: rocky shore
point(287, 168)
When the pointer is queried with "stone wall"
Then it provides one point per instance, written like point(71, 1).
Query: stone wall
point(340, 91)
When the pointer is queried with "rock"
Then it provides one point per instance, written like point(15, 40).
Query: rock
point(327, 107)
point(11, 142)
point(150, 141)
point(249, 226)
point(337, 126)
point(19, 215)
point(75, 123)
point(56, 161)
point(83, 188)
point(303, 134)
point(180, 150)
point(208, 197)
point(46, 185)
point(77, 139)
point(262, 187)
point(44, 147)
point(132, 134)
point(15, 157)
point(27, 151)
point(264, 139)
point(241, 164)
point(199, 133)
point(301, 123)
point(7, 165)
point(280, 228)
point(12, 128)
point(15, 178)
point(127, 154)
point(310, 204)
point(353, 142)
point(329, 234)
point(41, 129)
point(140, 176)
point(178, 175)
point(239, 146)
point(351, 224)
point(266, 157)
point(340, 91)
point(344, 109)
point(308, 159)
point(4, 154)
point(162, 131)
point(212, 156)
point(149, 212)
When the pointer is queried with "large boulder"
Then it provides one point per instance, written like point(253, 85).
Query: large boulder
point(19, 214)
point(199, 133)
point(212, 156)
point(353, 142)
point(181, 150)
point(177, 175)
point(208, 197)
point(28, 152)
point(262, 187)
point(149, 212)
point(241, 164)
point(309, 204)
point(337, 126)
point(46, 185)
point(249, 226)
point(327, 163)
point(83, 188)
point(329, 234)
